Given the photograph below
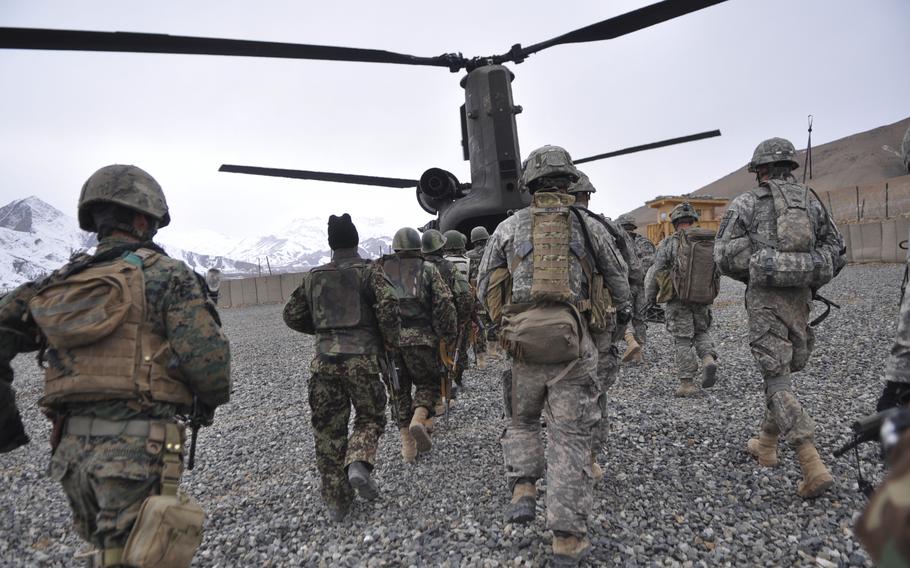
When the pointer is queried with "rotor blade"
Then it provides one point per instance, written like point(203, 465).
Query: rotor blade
point(320, 176)
point(617, 26)
point(71, 40)
point(651, 146)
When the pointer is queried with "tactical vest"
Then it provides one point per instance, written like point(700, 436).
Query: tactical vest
point(694, 273)
point(342, 318)
point(551, 230)
point(100, 340)
point(406, 275)
point(462, 263)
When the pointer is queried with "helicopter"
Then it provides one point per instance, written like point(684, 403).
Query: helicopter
point(488, 123)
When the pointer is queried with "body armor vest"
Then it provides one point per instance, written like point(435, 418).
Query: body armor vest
point(342, 316)
point(551, 229)
point(100, 341)
point(406, 275)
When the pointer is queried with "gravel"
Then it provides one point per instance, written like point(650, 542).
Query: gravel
point(679, 490)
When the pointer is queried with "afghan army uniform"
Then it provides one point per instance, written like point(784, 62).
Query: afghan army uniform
point(567, 393)
point(479, 238)
point(427, 316)
point(456, 254)
point(129, 342)
point(758, 232)
point(645, 251)
point(352, 309)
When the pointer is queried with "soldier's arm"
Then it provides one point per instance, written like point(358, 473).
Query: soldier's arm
point(646, 252)
point(733, 245)
point(616, 271)
point(202, 351)
point(386, 306)
point(297, 314)
point(445, 318)
point(464, 301)
point(827, 236)
point(493, 258)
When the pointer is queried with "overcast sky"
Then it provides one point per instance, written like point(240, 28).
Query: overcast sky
point(754, 69)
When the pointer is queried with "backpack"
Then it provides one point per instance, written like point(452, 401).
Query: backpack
point(694, 273)
point(462, 264)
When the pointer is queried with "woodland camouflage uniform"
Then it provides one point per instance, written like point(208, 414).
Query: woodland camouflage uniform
point(478, 313)
point(106, 475)
point(345, 371)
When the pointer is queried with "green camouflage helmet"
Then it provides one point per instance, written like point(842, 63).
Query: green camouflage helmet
point(682, 211)
point(547, 161)
point(128, 186)
point(406, 238)
point(455, 240)
point(431, 241)
point(626, 220)
point(772, 151)
point(583, 185)
point(479, 234)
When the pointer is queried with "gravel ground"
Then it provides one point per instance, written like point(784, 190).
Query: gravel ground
point(679, 491)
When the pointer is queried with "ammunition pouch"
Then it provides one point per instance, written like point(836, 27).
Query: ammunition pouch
point(771, 268)
point(542, 333)
point(167, 533)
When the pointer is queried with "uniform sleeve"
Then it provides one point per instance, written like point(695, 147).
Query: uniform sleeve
point(445, 318)
point(386, 306)
point(633, 262)
point(464, 301)
point(616, 271)
point(297, 314)
point(202, 351)
point(733, 245)
point(828, 237)
point(898, 367)
point(493, 257)
point(646, 252)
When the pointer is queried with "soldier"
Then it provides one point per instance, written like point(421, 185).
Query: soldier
point(781, 242)
point(456, 253)
point(481, 321)
point(351, 308)
point(547, 261)
point(636, 334)
point(127, 342)
point(427, 317)
point(689, 322)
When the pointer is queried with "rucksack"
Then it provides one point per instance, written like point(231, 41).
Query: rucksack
point(694, 273)
point(462, 264)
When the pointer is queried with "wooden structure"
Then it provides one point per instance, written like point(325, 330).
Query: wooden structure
point(709, 211)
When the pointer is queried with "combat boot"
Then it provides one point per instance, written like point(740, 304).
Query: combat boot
point(408, 446)
point(708, 371)
point(360, 480)
point(686, 388)
point(523, 506)
point(419, 429)
point(569, 550)
point(764, 448)
point(633, 350)
point(481, 361)
point(816, 478)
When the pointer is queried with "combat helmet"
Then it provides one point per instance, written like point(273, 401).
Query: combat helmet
point(431, 241)
point(479, 234)
point(455, 240)
point(406, 238)
point(626, 221)
point(547, 161)
point(682, 211)
point(583, 185)
point(128, 186)
point(774, 151)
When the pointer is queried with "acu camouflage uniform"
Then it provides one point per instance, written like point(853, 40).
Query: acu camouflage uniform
point(645, 251)
point(418, 348)
point(107, 477)
point(570, 405)
point(345, 371)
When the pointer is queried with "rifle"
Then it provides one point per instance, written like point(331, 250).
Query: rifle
point(449, 376)
point(390, 373)
point(195, 422)
point(884, 427)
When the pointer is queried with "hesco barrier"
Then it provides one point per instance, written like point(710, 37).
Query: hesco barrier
point(275, 289)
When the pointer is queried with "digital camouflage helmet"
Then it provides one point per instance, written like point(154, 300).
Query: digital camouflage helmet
point(455, 240)
point(627, 221)
point(431, 241)
point(547, 161)
point(127, 186)
point(479, 235)
point(774, 151)
point(406, 238)
point(683, 211)
point(583, 185)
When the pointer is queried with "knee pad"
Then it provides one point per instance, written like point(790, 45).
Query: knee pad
point(166, 534)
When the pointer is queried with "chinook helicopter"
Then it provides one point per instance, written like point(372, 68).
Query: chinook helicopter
point(488, 126)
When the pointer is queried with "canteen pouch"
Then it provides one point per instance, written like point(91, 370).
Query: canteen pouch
point(541, 333)
point(166, 534)
point(772, 268)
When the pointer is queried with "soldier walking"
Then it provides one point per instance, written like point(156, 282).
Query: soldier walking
point(637, 332)
point(127, 341)
point(427, 317)
point(455, 251)
point(689, 288)
point(352, 309)
point(780, 241)
point(544, 261)
point(481, 321)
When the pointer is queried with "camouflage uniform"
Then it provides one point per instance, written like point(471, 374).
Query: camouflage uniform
point(461, 295)
point(107, 477)
point(418, 347)
point(345, 371)
point(897, 370)
point(645, 251)
point(571, 405)
point(478, 313)
point(688, 323)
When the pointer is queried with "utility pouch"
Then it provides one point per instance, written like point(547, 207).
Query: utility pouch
point(602, 317)
point(166, 534)
point(772, 268)
point(542, 333)
point(499, 293)
point(664, 286)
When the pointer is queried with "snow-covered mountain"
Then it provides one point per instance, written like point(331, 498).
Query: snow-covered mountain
point(36, 238)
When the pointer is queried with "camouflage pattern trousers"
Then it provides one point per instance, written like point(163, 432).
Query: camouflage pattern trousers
point(331, 397)
point(608, 364)
point(420, 368)
point(690, 326)
point(570, 403)
point(781, 341)
point(638, 326)
point(106, 479)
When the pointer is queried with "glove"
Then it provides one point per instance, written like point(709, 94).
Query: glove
point(12, 432)
point(894, 394)
point(624, 315)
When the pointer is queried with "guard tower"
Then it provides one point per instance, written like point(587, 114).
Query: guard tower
point(709, 211)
